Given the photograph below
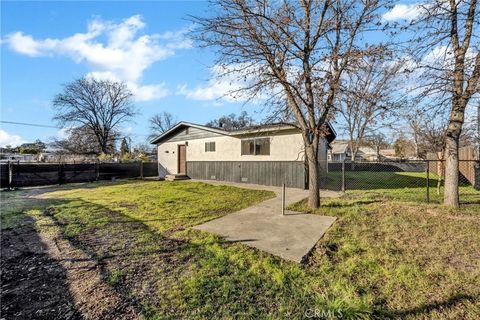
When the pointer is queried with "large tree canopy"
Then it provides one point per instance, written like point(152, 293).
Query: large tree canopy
point(232, 121)
point(161, 122)
point(82, 140)
point(293, 52)
point(97, 105)
point(446, 52)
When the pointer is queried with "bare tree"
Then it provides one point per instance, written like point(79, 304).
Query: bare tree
point(368, 97)
point(99, 105)
point(293, 52)
point(377, 141)
point(82, 140)
point(160, 123)
point(232, 121)
point(448, 54)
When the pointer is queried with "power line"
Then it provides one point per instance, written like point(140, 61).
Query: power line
point(30, 124)
point(47, 126)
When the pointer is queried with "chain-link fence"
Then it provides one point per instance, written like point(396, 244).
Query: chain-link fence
point(416, 180)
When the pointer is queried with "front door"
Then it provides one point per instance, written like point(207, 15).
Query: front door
point(182, 159)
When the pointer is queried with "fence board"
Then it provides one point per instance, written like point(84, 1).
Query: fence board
point(469, 165)
point(274, 173)
point(4, 175)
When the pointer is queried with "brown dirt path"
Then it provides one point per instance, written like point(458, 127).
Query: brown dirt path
point(43, 276)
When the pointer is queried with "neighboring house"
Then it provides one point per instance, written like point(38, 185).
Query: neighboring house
point(340, 151)
point(268, 154)
point(388, 154)
point(53, 157)
point(21, 157)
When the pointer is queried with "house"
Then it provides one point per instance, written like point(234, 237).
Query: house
point(388, 154)
point(53, 157)
point(340, 151)
point(270, 154)
point(20, 157)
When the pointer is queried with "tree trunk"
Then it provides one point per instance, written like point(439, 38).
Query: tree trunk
point(441, 169)
point(451, 197)
point(313, 182)
point(352, 159)
point(452, 138)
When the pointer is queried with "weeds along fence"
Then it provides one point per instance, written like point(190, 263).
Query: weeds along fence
point(18, 174)
point(422, 178)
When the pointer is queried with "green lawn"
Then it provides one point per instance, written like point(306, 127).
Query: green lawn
point(386, 256)
point(407, 186)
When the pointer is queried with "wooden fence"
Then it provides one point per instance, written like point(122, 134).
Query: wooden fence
point(17, 174)
point(469, 165)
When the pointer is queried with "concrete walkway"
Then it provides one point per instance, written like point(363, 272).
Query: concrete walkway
point(262, 226)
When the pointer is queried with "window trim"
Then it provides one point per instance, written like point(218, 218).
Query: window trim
point(254, 140)
point(209, 148)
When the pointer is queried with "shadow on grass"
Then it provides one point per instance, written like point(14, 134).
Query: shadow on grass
point(424, 310)
point(349, 203)
point(128, 251)
point(33, 283)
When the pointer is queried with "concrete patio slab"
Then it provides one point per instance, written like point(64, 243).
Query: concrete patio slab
point(262, 226)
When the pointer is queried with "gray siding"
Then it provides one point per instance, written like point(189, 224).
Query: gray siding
point(193, 133)
point(271, 173)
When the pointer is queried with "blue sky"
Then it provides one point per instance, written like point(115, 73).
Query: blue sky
point(168, 73)
point(45, 44)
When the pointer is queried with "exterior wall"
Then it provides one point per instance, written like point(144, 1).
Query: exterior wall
point(283, 147)
point(270, 173)
point(191, 134)
point(322, 157)
point(285, 164)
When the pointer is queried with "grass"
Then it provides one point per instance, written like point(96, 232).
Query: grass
point(400, 186)
point(387, 256)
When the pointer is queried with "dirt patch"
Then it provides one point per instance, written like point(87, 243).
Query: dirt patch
point(45, 277)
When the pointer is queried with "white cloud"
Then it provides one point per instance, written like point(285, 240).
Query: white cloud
point(7, 139)
point(403, 12)
point(141, 92)
point(114, 50)
point(224, 84)
point(149, 92)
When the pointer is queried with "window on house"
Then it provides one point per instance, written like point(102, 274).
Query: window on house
point(260, 146)
point(186, 131)
point(209, 146)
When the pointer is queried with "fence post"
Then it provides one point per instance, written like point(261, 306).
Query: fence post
point(17, 172)
point(60, 174)
point(343, 176)
point(283, 199)
point(141, 169)
point(10, 175)
point(428, 180)
point(97, 170)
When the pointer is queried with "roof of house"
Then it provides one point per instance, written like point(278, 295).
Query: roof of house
point(367, 150)
point(339, 147)
point(253, 129)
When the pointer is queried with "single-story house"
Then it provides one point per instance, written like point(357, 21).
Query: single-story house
point(20, 157)
point(340, 151)
point(270, 154)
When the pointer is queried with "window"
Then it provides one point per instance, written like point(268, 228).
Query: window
point(209, 146)
point(186, 131)
point(260, 146)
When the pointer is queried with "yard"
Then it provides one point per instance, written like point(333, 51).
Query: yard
point(127, 249)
